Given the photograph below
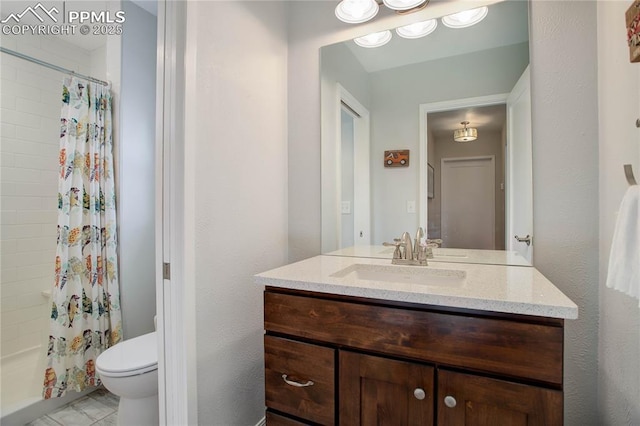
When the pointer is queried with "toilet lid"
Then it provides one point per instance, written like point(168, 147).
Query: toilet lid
point(130, 357)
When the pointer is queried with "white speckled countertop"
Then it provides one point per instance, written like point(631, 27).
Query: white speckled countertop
point(497, 288)
point(449, 255)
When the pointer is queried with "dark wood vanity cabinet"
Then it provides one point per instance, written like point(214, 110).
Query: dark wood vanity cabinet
point(354, 361)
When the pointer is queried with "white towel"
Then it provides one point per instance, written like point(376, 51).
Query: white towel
point(624, 259)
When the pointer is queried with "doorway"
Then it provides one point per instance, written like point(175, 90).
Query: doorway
point(468, 186)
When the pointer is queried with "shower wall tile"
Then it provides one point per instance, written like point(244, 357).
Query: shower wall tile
point(30, 126)
point(7, 160)
point(20, 203)
point(14, 174)
point(20, 231)
point(41, 109)
point(8, 72)
point(7, 130)
point(16, 288)
point(17, 317)
point(7, 217)
point(19, 146)
point(35, 162)
point(20, 90)
point(20, 118)
point(7, 101)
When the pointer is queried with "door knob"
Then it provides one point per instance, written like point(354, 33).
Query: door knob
point(450, 401)
point(419, 394)
point(526, 239)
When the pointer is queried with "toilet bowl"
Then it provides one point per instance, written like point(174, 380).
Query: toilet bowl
point(130, 371)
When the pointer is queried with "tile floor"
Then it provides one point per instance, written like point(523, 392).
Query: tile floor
point(99, 408)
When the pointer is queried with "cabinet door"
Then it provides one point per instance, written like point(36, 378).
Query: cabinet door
point(465, 399)
point(380, 391)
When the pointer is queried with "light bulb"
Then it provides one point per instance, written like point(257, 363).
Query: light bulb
point(356, 11)
point(374, 39)
point(465, 18)
point(418, 29)
point(402, 4)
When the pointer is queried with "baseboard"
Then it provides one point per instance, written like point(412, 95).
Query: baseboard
point(262, 422)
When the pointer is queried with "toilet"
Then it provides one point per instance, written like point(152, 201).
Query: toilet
point(130, 371)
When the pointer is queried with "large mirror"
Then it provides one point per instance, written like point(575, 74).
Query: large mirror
point(389, 160)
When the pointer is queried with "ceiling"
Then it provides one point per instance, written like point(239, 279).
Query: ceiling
point(506, 24)
point(486, 119)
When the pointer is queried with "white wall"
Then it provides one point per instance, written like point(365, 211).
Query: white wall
point(565, 182)
point(29, 147)
point(396, 95)
point(619, 107)
point(237, 115)
point(136, 171)
point(563, 57)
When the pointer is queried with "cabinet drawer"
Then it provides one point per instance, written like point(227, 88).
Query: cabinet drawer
point(496, 345)
point(300, 379)
point(277, 420)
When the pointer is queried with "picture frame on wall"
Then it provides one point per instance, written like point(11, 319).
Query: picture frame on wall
point(396, 158)
point(430, 180)
point(632, 18)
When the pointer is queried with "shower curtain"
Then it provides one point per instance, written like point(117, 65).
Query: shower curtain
point(85, 311)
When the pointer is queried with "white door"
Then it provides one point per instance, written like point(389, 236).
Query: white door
point(468, 202)
point(519, 194)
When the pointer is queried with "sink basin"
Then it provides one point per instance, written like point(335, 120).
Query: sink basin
point(403, 274)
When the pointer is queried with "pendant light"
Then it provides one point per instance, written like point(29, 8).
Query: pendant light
point(356, 11)
point(466, 134)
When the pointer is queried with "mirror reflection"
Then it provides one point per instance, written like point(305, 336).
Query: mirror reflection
point(412, 95)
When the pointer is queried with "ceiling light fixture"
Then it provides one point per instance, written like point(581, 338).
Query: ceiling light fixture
point(418, 29)
point(465, 18)
point(356, 11)
point(402, 4)
point(374, 39)
point(466, 134)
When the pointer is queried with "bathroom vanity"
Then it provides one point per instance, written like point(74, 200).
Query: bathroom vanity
point(358, 341)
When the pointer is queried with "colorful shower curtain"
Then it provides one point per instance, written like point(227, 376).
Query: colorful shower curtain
point(85, 314)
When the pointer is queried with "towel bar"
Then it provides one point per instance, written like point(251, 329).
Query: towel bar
point(628, 172)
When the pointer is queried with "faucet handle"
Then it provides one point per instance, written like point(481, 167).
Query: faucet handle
point(396, 244)
point(436, 242)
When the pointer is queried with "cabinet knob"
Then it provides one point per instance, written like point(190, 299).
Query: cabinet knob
point(419, 394)
point(450, 401)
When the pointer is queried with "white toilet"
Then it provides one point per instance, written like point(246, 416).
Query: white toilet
point(130, 371)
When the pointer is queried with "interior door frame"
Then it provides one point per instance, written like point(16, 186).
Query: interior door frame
point(331, 187)
point(521, 89)
point(424, 111)
point(177, 380)
point(361, 172)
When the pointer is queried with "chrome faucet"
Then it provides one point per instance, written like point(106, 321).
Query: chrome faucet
point(411, 254)
point(418, 240)
point(405, 241)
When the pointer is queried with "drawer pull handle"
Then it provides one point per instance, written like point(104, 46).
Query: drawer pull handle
point(450, 401)
point(296, 384)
